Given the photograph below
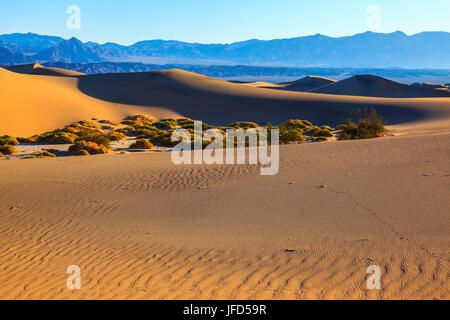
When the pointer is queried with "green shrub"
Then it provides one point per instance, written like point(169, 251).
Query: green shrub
point(323, 133)
point(47, 154)
point(8, 141)
point(291, 135)
point(142, 144)
point(167, 124)
point(108, 122)
point(370, 126)
point(116, 136)
point(326, 128)
point(312, 131)
point(295, 124)
point(98, 138)
point(8, 149)
point(244, 125)
point(2, 156)
point(57, 138)
point(164, 140)
point(139, 120)
point(319, 139)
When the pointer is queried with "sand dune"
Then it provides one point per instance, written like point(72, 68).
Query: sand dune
point(31, 104)
point(37, 69)
point(55, 101)
point(373, 86)
point(142, 228)
point(307, 84)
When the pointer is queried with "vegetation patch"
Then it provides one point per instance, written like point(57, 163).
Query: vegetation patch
point(369, 126)
point(88, 146)
point(142, 144)
point(8, 149)
point(8, 141)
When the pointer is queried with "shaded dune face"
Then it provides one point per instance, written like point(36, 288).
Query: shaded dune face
point(221, 102)
point(373, 86)
point(308, 83)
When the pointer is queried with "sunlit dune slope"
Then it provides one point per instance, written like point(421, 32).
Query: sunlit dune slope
point(37, 69)
point(30, 104)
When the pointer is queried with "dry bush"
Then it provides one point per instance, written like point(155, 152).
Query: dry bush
point(89, 146)
point(370, 125)
point(8, 141)
point(244, 125)
point(81, 152)
point(291, 135)
point(139, 120)
point(116, 136)
point(142, 144)
point(108, 122)
point(8, 149)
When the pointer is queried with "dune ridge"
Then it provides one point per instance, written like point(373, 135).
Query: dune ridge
point(176, 93)
point(373, 86)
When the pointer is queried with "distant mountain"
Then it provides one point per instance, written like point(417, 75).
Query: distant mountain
point(365, 50)
point(8, 55)
point(72, 50)
point(30, 43)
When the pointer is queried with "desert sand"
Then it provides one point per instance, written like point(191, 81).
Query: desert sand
point(33, 104)
point(141, 227)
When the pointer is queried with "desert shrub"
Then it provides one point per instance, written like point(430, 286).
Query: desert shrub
point(164, 140)
point(8, 141)
point(167, 124)
point(28, 157)
point(244, 125)
point(2, 156)
point(116, 136)
point(142, 144)
point(57, 138)
point(82, 128)
point(185, 122)
point(323, 133)
point(81, 152)
point(47, 154)
point(139, 120)
point(370, 125)
point(8, 149)
point(291, 135)
point(326, 128)
point(108, 122)
point(345, 136)
point(312, 131)
point(89, 146)
point(205, 126)
point(319, 139)
point(293, 124)
point(98, 138)
point(32, 139)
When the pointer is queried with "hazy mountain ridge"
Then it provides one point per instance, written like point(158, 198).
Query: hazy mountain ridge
point(423, 50)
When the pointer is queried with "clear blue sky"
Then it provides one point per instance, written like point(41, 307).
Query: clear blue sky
point(218, 21)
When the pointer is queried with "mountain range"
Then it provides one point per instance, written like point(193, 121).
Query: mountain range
point(365, 50)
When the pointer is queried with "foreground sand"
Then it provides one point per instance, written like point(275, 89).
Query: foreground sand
point(142, 228)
